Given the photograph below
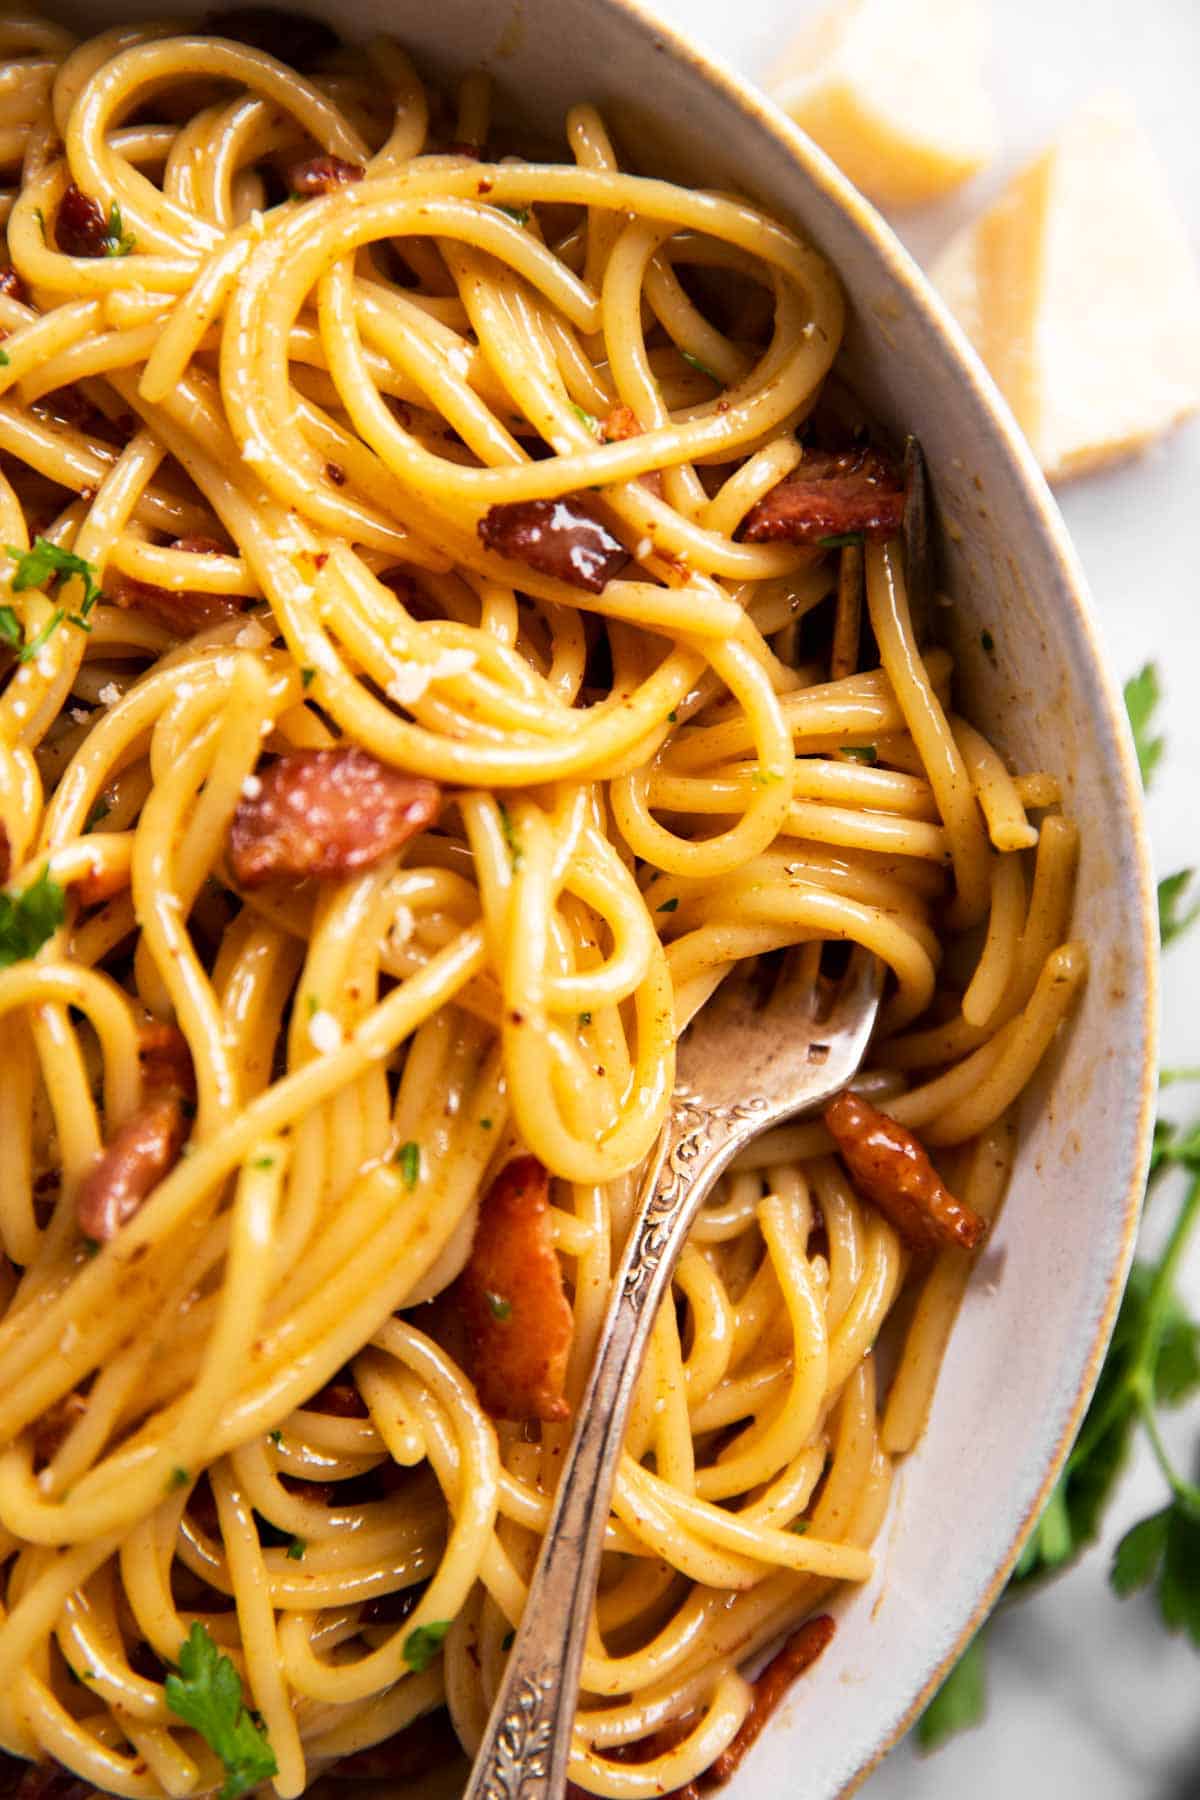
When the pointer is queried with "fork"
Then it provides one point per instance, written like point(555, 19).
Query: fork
point(742, 1067)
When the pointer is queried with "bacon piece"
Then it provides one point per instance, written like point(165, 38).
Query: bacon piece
point(511, 1298)
point(43, 1781)
point(423, 1747)
point(12, 285)
point(71, 406)
point(131, 1164)
point(890, 1167)
point(798, 1654)
point(621, 423)
point(291, 37)
point(182, 611)
point(166, 1061)
point(100, 883)
point(321, 175)
point(339, 1400)
point(557, 537)
point(52, 1429)
point(830, 496)
point(80, 225)
point(326, 813)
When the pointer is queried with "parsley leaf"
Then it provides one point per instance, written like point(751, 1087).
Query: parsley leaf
point(498, 1306)
point(46, 560)
point(4, 359)
point(586, 418)
point(296, 1549)
point(961, 1700)
point(520, 214)
point(207, 1694)
point(117, 241)
point(1172, 921)
point(1142, 695)
point(29, 918)
point(30, 650)
point(701, 366)
point(863, 753)
point(669, 905)
point(10, 628)
point(423, 1644)
point(409, 1158)
point(841, 541)
point(510, 837)
point(1139, 1553)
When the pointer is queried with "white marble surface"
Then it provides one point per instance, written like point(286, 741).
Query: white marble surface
point(1088, 1696)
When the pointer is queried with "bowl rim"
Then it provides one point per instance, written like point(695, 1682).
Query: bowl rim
point(824, 175)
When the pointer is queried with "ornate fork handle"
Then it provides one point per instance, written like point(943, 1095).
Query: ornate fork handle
point(528, 1742)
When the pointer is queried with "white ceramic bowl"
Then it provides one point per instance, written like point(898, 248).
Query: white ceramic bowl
point(1028, 1345)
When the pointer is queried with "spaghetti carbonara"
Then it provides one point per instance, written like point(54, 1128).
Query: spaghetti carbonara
point(450, 614)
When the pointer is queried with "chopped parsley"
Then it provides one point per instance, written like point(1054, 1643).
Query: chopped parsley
point(117, 241)
point(863, 753)
point(207, 1694)
point(510, 837)
point(669, 905)
point(409, 1158)
point(485, 1124)
point(844, 540)
point(10, 628)
point(179, 1478)
point(48, 561)
point(586, 418)
point(499, 1307)
point(28, 919)
point(518, 214)
point(585, 1018)
point(798, 1527)
point(423, 1644)
point(42, 638)
point(263, 1162)
point(276, 1437)
point(296, 1550)
point(4, 359)
point(672, 717)
point(98, 813)
point(701, 366)
point(307, 677)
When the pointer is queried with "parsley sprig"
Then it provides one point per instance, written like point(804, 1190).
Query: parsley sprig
point(28, 919)
point(44, 566)
point(1153, 1362)
point(207, 1694)
point(117, 241)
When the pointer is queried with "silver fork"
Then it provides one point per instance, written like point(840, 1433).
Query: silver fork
point(742, 1068)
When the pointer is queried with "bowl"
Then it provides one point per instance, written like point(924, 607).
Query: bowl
point(1031, 1336)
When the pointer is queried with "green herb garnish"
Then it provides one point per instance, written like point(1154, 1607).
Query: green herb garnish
point(4, 359)
point(423, 1644)
point(841, 540)
point(702, 366)
point(98, 813)
point(669, 905)
point(263, 1162)
point(519, 214)
point(296, 1550)
point(117, 241)
point(30, 650)
point(307, 677)
point(863, 753)
point(29, 918)
point(959, 1702)
point(179, 1479)
point(586, 418)
point(207, 1694)
point(10, 628)
point(276, 1437)
point(515, 852)
point(409, 1158)
point(45, 561)
point(499, 1307)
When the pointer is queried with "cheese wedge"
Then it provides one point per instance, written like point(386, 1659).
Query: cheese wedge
point(892, 90)
point(1080, 290)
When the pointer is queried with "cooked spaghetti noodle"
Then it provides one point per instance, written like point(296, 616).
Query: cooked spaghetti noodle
point(267, 427)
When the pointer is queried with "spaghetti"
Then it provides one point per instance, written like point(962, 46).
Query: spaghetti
point(407, 719)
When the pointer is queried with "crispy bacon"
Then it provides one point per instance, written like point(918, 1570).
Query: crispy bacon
point(43, 1781)
point(622, 422)
point(321, 175)
point(80, 227)
point(133, 1162)
point(166, 1060)
point(180, 611)
point(326, 813)
point(100, 883)
point(340, 1400)
point(12, 285)
point(798, 1654)
point(52, 1429)
point(426, 1745)
point(557, 537)
point(511, 1298)
point(291, 37)
point(890, 1167)
point(830, 495)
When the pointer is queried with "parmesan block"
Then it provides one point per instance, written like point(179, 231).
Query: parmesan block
point(1080, 291)
point(892, 90)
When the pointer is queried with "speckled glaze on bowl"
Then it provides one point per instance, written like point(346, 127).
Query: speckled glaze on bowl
point(1028, 1345)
